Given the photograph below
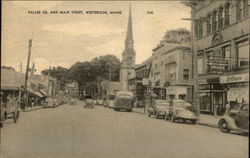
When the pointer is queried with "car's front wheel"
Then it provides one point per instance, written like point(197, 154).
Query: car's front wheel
point(223, 126)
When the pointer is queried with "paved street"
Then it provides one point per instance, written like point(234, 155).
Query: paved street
point(72, 131)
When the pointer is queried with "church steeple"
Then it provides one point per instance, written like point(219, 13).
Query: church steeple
point(129, 37)
point(129, 42)
point(128, 56)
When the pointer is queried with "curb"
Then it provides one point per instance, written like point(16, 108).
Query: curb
point(208, 124)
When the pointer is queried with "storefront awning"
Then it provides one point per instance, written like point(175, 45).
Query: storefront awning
point(35, 92)
point(43, 92)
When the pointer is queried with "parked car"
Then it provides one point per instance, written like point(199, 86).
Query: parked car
point(236, 120)
point(124, 100)
point(72, 101)
point(158, 109)
point(99, 102)
point(50, 102)
point(181, 110)
point(88, 102)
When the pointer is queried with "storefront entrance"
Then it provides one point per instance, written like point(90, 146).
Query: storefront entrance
point(212, 99)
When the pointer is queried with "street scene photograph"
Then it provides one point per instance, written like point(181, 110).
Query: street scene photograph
point(125, 79)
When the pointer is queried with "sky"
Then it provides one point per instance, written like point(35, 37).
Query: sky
point(63, 39)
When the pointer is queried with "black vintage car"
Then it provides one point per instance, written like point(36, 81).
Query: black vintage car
point(237, 120)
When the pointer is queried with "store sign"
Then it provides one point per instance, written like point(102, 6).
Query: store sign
point(217, 64)
point(176, 90)
point(234, 78)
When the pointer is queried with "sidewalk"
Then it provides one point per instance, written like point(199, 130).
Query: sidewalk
point(138, 110)
point(209, 120)
point(33, 108)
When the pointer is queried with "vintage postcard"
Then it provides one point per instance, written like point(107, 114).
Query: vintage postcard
point(125, 79)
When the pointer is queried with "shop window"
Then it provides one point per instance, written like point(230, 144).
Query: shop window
point(227, 14)
point(209, 24)
point(214, 21)
point(221, 18)
point(243, 53)
point(186, 74)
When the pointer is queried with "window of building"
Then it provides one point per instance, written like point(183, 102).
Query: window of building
point(186, 74)
point(200, 29)
point(226, 55)
point(170, 58)
point(209, 23)
point(214, 21)
point(156, 66)
point(227, 14)
point(172, 73)
point(243, 53)
point(239, 9)
point(196, 28)
point(221, 18)
point(200, 64)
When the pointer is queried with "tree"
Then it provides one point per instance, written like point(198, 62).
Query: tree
point(60, 73)
point(177, 36)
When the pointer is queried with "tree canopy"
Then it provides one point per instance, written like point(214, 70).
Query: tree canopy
point(180, 35)
point(87, 72)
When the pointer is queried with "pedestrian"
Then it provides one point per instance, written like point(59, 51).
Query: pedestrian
point(215, 109)
point(228, 108)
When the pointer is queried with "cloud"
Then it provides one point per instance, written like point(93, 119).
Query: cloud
point(77, 28)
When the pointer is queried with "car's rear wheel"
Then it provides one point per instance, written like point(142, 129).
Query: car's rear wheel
point(194, 122)
point(156, 115)
point(223, 126)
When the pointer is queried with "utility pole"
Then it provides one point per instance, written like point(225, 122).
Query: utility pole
point(27, 73)
point(109, 82)
point(193, 5)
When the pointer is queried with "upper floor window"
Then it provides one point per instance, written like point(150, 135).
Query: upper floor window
point(209, 23)
point(214, 21)
point(200, 64)
point(227, 14)
point(243, 53)
point(200, 29)
point(156, 66)
point(240, 9)
point(221, 18)
point(226, 55)
point(171, 73)
point(170, 58)
point(185, 74)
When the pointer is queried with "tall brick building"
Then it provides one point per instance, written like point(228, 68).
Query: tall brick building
point(221, 48)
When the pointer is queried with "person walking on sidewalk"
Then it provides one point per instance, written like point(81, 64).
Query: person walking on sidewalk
point(228, 108)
